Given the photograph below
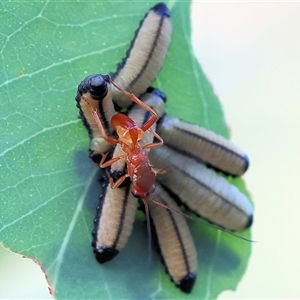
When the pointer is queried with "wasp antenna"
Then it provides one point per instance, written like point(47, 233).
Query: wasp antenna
point(148, 229)
point(199, 220)
point(170, 208)
point(226, 231)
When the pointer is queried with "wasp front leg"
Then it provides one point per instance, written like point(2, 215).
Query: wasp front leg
point(136, 100)
point(154, 145)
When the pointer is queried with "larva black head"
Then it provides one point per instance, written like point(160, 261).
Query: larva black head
point(96, 85)
point(162, 10)
point(186, 284)
point(157, 92)
point(105, 254)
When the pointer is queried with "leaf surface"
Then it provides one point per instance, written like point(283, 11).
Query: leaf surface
point(49, 187)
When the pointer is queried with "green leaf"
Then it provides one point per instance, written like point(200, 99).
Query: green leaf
point(49, 187)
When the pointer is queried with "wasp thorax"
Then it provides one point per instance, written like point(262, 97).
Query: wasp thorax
point(130, 136)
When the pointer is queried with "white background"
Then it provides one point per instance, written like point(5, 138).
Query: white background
point(251, 54)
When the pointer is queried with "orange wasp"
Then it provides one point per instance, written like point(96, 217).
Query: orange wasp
point(139, 168)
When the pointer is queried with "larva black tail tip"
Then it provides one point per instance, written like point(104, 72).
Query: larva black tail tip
point(157, 92)
point(162, 10)
point(250, 222)
point(246, 162)
point(187, 283)
point(105, 254)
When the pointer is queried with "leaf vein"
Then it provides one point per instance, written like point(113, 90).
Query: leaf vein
point(37, 134)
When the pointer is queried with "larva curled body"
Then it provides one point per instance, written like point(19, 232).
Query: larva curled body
point(145, 57)
point(95, 92)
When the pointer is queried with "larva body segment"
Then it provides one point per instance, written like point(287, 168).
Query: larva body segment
point(203, 191)
point(175, 241)
point(145, 57)
point(203, 145)
point(114, 222)
point(95, 92)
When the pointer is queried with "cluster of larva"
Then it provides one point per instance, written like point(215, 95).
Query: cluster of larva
point(131, 145)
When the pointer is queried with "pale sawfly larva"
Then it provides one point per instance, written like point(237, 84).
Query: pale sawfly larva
point(202, 190)
point(145, 57)
point(204, 146)
point(175, 241)
point(113, 222)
